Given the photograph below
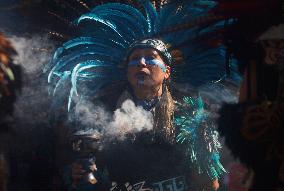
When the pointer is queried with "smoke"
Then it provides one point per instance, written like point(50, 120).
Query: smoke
point(31, 133)
point(130, 119)
point(32, 103)
point(126, 120)
point(220, 93)
point(215, 95)
point(92, 118)
point(33, 53)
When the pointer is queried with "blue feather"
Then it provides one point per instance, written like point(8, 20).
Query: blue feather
point(152, 17)
point(90, 41)
point(90, 64)
point(93, 17)
point(78, 55)
point(131, 11)
point(137, 27)
point(64, 77)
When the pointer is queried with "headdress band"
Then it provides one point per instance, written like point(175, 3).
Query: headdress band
point(157, 44)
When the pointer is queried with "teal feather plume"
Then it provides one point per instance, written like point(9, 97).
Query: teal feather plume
point(198, 133)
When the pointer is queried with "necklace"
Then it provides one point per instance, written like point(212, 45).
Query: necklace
point(147, 104)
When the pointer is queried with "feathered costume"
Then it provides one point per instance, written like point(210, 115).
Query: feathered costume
point(96, 59)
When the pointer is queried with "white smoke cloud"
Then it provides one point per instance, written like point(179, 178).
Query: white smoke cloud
point(216, 95)
point(92, 118)
point(126, 120)
point(33, 52)
point(130, 119)
point(220, 93)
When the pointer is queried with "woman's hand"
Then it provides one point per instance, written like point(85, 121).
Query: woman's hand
point(77, 173)
point(215, 184)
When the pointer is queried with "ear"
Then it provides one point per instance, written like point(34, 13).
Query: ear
point(168, 72)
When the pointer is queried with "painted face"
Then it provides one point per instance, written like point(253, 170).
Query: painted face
point(274, 50)
point(146, 68)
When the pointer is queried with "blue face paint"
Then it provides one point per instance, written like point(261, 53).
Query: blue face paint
point(140, 80)
point(148, 61)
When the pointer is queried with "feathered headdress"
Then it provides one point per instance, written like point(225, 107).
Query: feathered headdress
point(96, 57)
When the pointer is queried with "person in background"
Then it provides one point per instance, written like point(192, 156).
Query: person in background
point(256, 133)
point(10, 83)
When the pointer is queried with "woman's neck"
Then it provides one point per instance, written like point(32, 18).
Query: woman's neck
point(148, 93)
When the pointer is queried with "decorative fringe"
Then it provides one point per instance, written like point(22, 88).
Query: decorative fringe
point(197, 131)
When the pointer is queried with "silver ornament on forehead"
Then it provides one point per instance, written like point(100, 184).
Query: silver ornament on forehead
point(157, 44)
